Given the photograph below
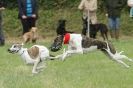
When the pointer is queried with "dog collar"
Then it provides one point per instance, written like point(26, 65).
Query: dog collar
point(22, 53)
point(66, 38)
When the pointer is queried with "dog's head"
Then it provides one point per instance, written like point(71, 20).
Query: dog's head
point(33, 29)
point(85, 22)
point(15, 48)
point(62, 22)
point(57, 45)
point(61, 27)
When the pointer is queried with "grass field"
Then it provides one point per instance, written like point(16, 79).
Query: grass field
point(92, 70)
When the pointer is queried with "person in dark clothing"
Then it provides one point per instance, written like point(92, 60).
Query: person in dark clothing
point(27, 14)
point(2, 38)
point(114, 8)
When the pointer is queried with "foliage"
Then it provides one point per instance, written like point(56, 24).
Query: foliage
point(48, 19)
point(47, 4)
point(50, 11)
point(50, 4)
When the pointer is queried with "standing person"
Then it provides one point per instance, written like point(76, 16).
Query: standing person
point(2, 38)
point(114, 8)
point(130, 4)
point(27, 14)
point(89, 8)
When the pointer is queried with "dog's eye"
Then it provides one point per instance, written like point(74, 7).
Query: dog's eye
point(14, 46)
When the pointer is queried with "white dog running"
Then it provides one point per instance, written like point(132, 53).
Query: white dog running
point(33, 55)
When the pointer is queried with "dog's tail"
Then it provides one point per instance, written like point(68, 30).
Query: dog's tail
point(52, 55)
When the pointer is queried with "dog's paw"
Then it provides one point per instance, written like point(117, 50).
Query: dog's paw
point(127, 66)
point(131, 60)
point(41, 70)
point(34, 72)
point(63, 58)
point(41, 67)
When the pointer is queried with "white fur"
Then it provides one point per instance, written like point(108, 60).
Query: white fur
point(92, 48)
point(75, 47)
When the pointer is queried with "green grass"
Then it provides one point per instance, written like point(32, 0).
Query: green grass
point(92, 70)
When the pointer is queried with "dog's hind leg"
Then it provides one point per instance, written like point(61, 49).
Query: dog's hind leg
point(125, 57)
point(114, 59)
point(121, 62)
point(64, 55)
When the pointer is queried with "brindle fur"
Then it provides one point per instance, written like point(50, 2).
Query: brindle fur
point(57, 43)
point(88, 42)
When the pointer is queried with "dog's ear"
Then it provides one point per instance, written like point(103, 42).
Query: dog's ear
point(64, 20)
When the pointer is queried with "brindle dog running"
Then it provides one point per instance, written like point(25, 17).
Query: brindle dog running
point(82, 44)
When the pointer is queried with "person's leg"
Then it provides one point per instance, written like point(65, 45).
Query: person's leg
point(2, 38)
point(117, 30)
point(111, 27)
point(32, 23)
point(29, 23)
point(93, 17)
point(24, 25)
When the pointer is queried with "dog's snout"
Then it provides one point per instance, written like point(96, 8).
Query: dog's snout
point(8, 49)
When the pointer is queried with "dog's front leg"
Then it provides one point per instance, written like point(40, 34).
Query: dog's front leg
point(69, 52)
point(34, 70)
point(64, 54)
